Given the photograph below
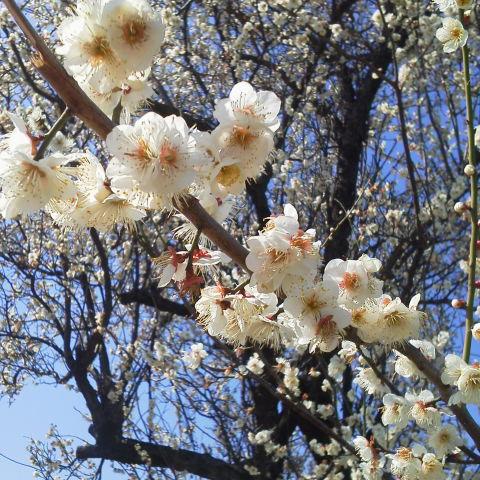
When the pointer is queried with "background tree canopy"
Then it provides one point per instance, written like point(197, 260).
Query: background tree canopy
point(371, 150)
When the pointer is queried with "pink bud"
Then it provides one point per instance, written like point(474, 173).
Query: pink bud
point(457, 303)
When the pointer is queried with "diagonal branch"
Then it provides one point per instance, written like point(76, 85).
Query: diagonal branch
point(460, 411)
point(83, 107)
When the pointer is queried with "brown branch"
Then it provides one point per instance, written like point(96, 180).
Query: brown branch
point(130, 451)
point(151, 297)
point(54, 73)
point(80, 105)
point(427, 368)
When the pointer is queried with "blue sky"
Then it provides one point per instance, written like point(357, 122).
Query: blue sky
point(30, 416)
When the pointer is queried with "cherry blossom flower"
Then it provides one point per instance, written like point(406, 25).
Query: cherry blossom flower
point(211, 305)
point(353, 280)
point(431, 468)
point(444, 440)
point(255, 364)
point(130, 94)
point(468, 386)
point(194, 357)
point(29, 185)
point(107, 41)
point(249, 108)
point(465, 377)
point(251, 319)
point(364, 447)
point(348, 351)
point(135, 30)
point(427, 348)
point(422, 410)
point(282, 257)
point(243, 151)
point(370, 382)
point(395, 322)
point(454, 366)
point(97, 204)
point(452, 35)
point(406, 368)
point(395, 411)
point(19, 139)
point(240, 317)
point(158, 153)
point(405, 464)
point(173, 265)
point(318, 319)
point(86, 46)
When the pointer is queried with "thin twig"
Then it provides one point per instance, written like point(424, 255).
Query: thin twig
point(57, 126)
point(472, 260)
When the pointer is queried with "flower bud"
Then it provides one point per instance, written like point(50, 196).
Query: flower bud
point(476, 331)
point(460, 207)
point(469, 170)
point(457, 303)
point(477, 283)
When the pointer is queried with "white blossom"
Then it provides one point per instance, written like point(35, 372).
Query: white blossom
point(444, 440)
point(317, 318)
point(194, 357)
point(282, 257)
point(353, 280)
point(452, 35)
point(157, 153)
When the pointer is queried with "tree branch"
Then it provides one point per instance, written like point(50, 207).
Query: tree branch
point(82, 106)
point(151, 297)
point(131, 452)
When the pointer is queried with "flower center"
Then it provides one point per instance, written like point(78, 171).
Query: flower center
point(313, 304)
point(394, 319)
point(301, 242)
point(276, 256)
point(228, 175)
point(473, 381)
point(134, 31)
point(144, 152)
point(32, 170)
point(247, 110)
point(325, 327)
point(242, 137)
point(99, 50)
point(350, 281)
point(456, 33)
point(358, 317)
point(444, 437)
point(404, 453)
point(168, 155)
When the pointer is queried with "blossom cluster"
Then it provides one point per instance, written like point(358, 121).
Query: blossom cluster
point(155, 162)
point(108, 47)
point(313, 311)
